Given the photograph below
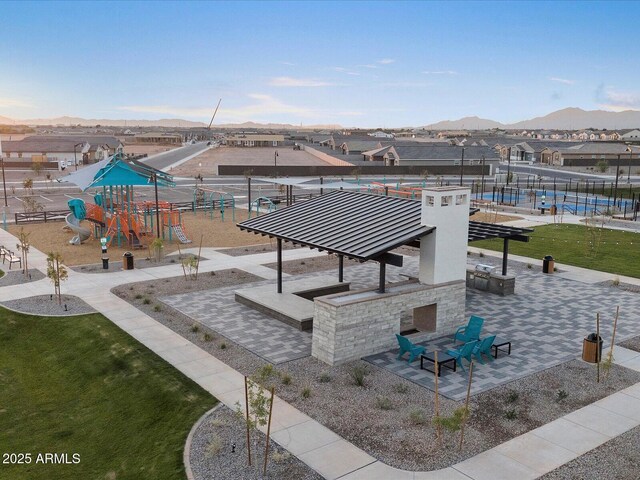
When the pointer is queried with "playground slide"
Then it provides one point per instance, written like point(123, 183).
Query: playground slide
point(177, 229)
point(82, 233)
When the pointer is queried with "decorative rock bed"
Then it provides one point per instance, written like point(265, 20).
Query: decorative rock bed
point(47, 305)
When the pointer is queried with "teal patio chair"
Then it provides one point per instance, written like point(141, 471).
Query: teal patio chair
point(463, 352)
point(406, 346)
point(469, 332)
point(484, 347)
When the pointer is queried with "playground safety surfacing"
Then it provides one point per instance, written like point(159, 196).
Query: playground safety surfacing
point(546, 321)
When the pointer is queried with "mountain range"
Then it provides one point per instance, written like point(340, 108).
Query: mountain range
point(565, 119)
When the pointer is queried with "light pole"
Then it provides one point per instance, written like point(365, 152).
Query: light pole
point(482, 181)
point(462, 166)
point(75, 160)
point(615, 189)
point(508, 168)
point(275, 158)
point(155, 186)
point(4, 184)
point(630, 150)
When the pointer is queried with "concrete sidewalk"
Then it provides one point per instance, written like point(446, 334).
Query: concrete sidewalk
point(525, 457)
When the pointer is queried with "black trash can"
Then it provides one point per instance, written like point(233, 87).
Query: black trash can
point(548, 264)
point(105, 263)
point(127, 261)
point(590, 349)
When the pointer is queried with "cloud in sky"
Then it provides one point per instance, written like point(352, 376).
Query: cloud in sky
point(612, 99)
point(13, 103)
point(368, 65)
point(345, 70)
point(562, 80)
point(298, 82)
point(440, 72)
point(386, 61)
point(406, 84)
point(288, 63)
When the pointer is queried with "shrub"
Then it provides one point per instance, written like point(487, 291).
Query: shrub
point(223, 346)
point(146, 301)
point(529, 266)
point(481, 254)
point(512, 397)
point(511, 414)
point(279, 457)
point(384, 403)
point(195, 328)
point(400, 388)
point(285, 378)
point(358, 374)
point(454, 422)
point(157, 308)
point(214, 447)
point(561, 395)
point(207, 337)
point(615, 282)
point(265, 372)
point(212, 273)
point(138, 296)
point(325, 377)
point(417, 417)
point(306, 392)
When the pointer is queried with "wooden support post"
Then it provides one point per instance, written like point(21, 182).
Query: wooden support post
point(266, 450)
point(466, 406)
point(598, 347)
point(246, 401)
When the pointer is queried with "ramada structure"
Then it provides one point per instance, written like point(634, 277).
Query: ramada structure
point(348, 325)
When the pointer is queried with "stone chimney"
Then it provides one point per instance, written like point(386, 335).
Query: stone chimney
point(443, 253)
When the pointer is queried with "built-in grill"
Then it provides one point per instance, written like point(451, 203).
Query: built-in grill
point(482, 275)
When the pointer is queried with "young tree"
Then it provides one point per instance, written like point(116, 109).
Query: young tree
point(37, 168)
point(56, 272)
point(27, 184)
point(23, 246)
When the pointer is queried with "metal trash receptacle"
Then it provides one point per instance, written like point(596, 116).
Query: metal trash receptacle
point(105, 262)
point(548, 264)
point(590, 349)
point(127, 261)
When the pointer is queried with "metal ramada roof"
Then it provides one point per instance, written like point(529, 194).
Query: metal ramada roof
point(357, 225)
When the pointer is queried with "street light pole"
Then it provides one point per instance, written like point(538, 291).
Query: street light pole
point(462, 166)
point(4, 184)
point(482, 180)
point(508, 168)
point(155, 186)
point(630, 150)
point(615, 189)
point(275, 158)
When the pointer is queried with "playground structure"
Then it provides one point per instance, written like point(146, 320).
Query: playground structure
point(206, 199)
point(261, 201)
point(115, 215)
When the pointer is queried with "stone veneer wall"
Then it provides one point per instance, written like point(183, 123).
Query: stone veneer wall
point(346, 329)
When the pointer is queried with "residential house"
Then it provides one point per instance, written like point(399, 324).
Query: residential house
point(158, 138)
point(381, 134)
point(54, 148)
point(591, 154)
point(431, 154)
point(255, 140)
point(631, 135)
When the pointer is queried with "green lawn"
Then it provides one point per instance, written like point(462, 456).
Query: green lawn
point(606, 250)
point(81, 385)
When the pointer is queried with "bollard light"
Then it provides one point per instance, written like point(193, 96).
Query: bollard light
point(233, 447)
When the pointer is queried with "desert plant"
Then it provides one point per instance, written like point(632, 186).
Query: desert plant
point(207, 337)
point(190, 267)
point(384, 403)
point(481, 254)
point(157, 308)
point(37, 168)
point(279, 457)
point(400, 388)
point(417, 417)
point(138, 296)
point(615, 282)
point(146, 301)
point(512, 397)
point(602, 166)
point(214, 447)
point(257, 412)
point(156, 249)
point(195, 328)
point(529, 266)
point(285, 378)
point(30, 205)
point(511, 414)
point(561, 395)
point(56, 272)
point(306, 392)
point(324, 377)
point(454, 422)
point(223, 346)
point(358, 374)
point(27, 184)
point(23, 247)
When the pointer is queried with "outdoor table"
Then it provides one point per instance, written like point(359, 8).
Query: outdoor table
point(501, 342)
point(443, 360)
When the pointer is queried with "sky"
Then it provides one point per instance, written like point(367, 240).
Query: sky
point(367, 64)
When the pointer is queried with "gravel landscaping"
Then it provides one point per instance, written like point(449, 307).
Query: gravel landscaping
point(261, 248)
point(16, 277)
point(48, 305)
point(141, 260)
point(631, 343)
point(211, 454)
point(618, 458)
point(389, 417)
point(313, 264)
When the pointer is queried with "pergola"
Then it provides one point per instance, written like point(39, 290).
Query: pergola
point(361, 226)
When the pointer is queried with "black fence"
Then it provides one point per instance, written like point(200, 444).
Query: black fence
point(340, 171)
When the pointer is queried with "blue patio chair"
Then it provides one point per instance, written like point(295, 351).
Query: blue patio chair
point(463, 352)
point(406, 346)
point(484, 347)
point(469, 332)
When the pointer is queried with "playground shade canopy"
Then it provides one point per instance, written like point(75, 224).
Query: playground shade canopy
point(117, 170)
point(359, 225)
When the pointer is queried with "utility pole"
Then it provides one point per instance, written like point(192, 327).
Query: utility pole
point(615, 189)
point(630, 150)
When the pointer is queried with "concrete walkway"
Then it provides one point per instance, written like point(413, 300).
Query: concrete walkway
point(525, 457)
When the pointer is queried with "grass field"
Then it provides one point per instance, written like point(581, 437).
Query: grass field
point(601, 249)
point(81, 385)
